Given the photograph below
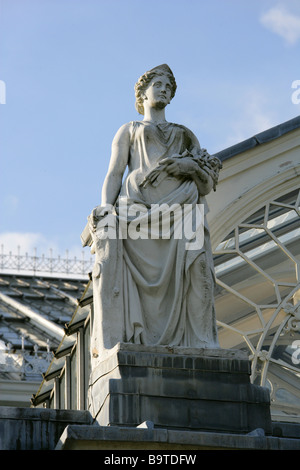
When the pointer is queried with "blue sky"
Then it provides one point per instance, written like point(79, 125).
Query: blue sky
point(69, 69)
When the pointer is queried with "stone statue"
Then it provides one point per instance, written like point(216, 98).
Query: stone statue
point(153, 287)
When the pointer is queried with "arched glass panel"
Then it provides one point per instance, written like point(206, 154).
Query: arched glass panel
point(258, 299)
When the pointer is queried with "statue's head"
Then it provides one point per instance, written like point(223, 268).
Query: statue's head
point(144, 81)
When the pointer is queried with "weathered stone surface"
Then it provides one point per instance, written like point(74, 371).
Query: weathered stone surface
point(124, 438)
point(36, 428)
point(46, 429)
point(196, 389)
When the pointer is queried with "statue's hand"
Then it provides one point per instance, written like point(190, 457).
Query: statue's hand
point(97, 214)
point(184, 166)
point(103, 210)
point(203, 175)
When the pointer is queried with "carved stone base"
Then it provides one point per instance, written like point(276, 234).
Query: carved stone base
point(178, 388)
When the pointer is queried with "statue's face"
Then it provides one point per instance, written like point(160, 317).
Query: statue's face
point(158, 93)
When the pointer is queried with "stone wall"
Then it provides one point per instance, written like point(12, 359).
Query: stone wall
point(48, 429)
point(36, 428)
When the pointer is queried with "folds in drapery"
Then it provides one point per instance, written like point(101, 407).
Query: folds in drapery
point(154, 291)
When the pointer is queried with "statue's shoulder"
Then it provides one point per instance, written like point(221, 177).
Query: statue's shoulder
point(123, 133)
point(190, 136)
point(132, 127)
point(186, 129)
point(129, 127)
point(125, 127)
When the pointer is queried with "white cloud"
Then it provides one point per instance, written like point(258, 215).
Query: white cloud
point(27, 243)
point(254, 117)
point(37, 244)
point(282, 22)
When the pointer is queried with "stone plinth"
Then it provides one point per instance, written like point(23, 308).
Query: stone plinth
point(178, 388)
point(144, 441)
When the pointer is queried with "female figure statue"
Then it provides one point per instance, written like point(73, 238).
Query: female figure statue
point(153, 290)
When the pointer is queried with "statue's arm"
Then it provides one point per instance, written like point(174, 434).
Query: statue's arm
point(112, 183)
point(203, 181)
point(207, 174)
point(118, 162)
point(190, 166)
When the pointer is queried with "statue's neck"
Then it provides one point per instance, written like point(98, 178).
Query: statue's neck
point(154, 115)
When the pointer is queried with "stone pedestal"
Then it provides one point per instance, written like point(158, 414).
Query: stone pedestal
point(178, 388)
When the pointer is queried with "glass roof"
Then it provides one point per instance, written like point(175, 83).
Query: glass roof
point(258, 298)
point(53, 299)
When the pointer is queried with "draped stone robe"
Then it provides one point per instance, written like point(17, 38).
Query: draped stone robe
point(154, 291)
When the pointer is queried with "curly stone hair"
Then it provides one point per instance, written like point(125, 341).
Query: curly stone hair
point(143, 82)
